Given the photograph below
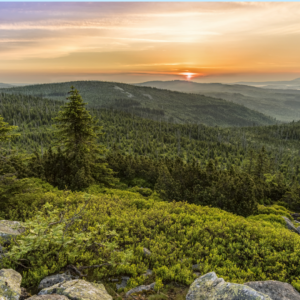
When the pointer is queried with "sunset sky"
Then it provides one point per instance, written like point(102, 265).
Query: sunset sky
point(136, 42)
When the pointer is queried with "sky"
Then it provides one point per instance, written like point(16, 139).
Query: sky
point(135, 42)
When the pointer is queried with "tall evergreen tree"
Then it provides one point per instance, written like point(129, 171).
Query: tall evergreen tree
point(6, 131)
point(77, 134)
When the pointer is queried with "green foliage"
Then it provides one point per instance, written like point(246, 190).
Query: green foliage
point(77, 135)
point(58, 238)
point(6, 131)
point(177, 234)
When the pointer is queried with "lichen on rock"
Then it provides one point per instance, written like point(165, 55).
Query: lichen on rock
point(78, 290)
point(209, 286)
point(10, 282)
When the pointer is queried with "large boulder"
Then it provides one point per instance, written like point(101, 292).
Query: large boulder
point(53, 279)
point(275, 289)
point(209, 286)
point(78, 290)
point(141, 288)
point(48, 297)
point(9, 229)
point(15, 225)
point(290, 225)
point(10, 284)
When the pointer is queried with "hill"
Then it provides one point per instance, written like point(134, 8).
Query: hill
point(292, 84)
point(5, 85)
point(152, 103)
point(132, 135)
point(284, 105)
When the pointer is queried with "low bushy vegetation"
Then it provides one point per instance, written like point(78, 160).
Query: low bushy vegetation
point(109, 229)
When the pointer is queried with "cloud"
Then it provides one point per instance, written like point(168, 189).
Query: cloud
point(150, 37)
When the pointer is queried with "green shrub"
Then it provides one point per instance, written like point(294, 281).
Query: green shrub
point(274, 210)
point(177, 234)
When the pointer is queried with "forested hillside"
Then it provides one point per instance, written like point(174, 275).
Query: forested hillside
point(136, 146)
point(282, 104)
point(147, 199)
point(152, 103)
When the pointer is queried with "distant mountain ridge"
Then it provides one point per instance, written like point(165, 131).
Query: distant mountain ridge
point(282, 104)
point(291, 84)
point(5, 85)
point(154, 103)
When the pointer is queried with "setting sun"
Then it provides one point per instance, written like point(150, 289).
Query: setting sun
point(188, 75)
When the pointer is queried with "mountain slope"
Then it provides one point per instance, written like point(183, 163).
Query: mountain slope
point(152, 103)
point(292, 84)
point(284, 105)
point(5, 85)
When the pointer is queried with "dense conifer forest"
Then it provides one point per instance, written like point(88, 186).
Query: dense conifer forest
point(95, 186)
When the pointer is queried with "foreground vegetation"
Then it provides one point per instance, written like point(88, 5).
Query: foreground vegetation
point(84, 229)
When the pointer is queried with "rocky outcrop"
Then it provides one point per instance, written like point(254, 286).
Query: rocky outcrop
point(48, 297)
point(78, 290)
point(209, 286)
point(123, 283)
point(141, 288)
point(53, 279)
point(147, 252)
point(10, 282)
point(9, 229)
point(275, 289)
point(15, 225)
point(290, 225)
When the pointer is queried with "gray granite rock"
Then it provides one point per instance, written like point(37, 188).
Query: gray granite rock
point(48, 297)
point(148, 273)
point(10, 284)
point(275, 289)
point(123, 283)
point(289, 224)
point(141, 288)
point(146, 251)
point(53, 279)
point(210, 287)
point(78, 290)
point(7, 233)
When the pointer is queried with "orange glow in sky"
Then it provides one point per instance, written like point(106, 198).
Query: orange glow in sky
point(135, 42)
point(188, 75)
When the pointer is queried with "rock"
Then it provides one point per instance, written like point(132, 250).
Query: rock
point(146, 251)
point(24, 294)
point(15, 225)
point(123, 284)
point(295, 215)
point(10, 282)
point(297, 221)
point(196, 267)
point(53, 279)
point(78, 290)
point(48, 297)
point(148, 273)
point(289, 224)
point(141, 288)
point(298, 229)
point(209, 286)
point(7, 233)
point(275, 289)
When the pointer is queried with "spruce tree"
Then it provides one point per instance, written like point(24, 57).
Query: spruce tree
point(6, 131)
point(77, 134)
